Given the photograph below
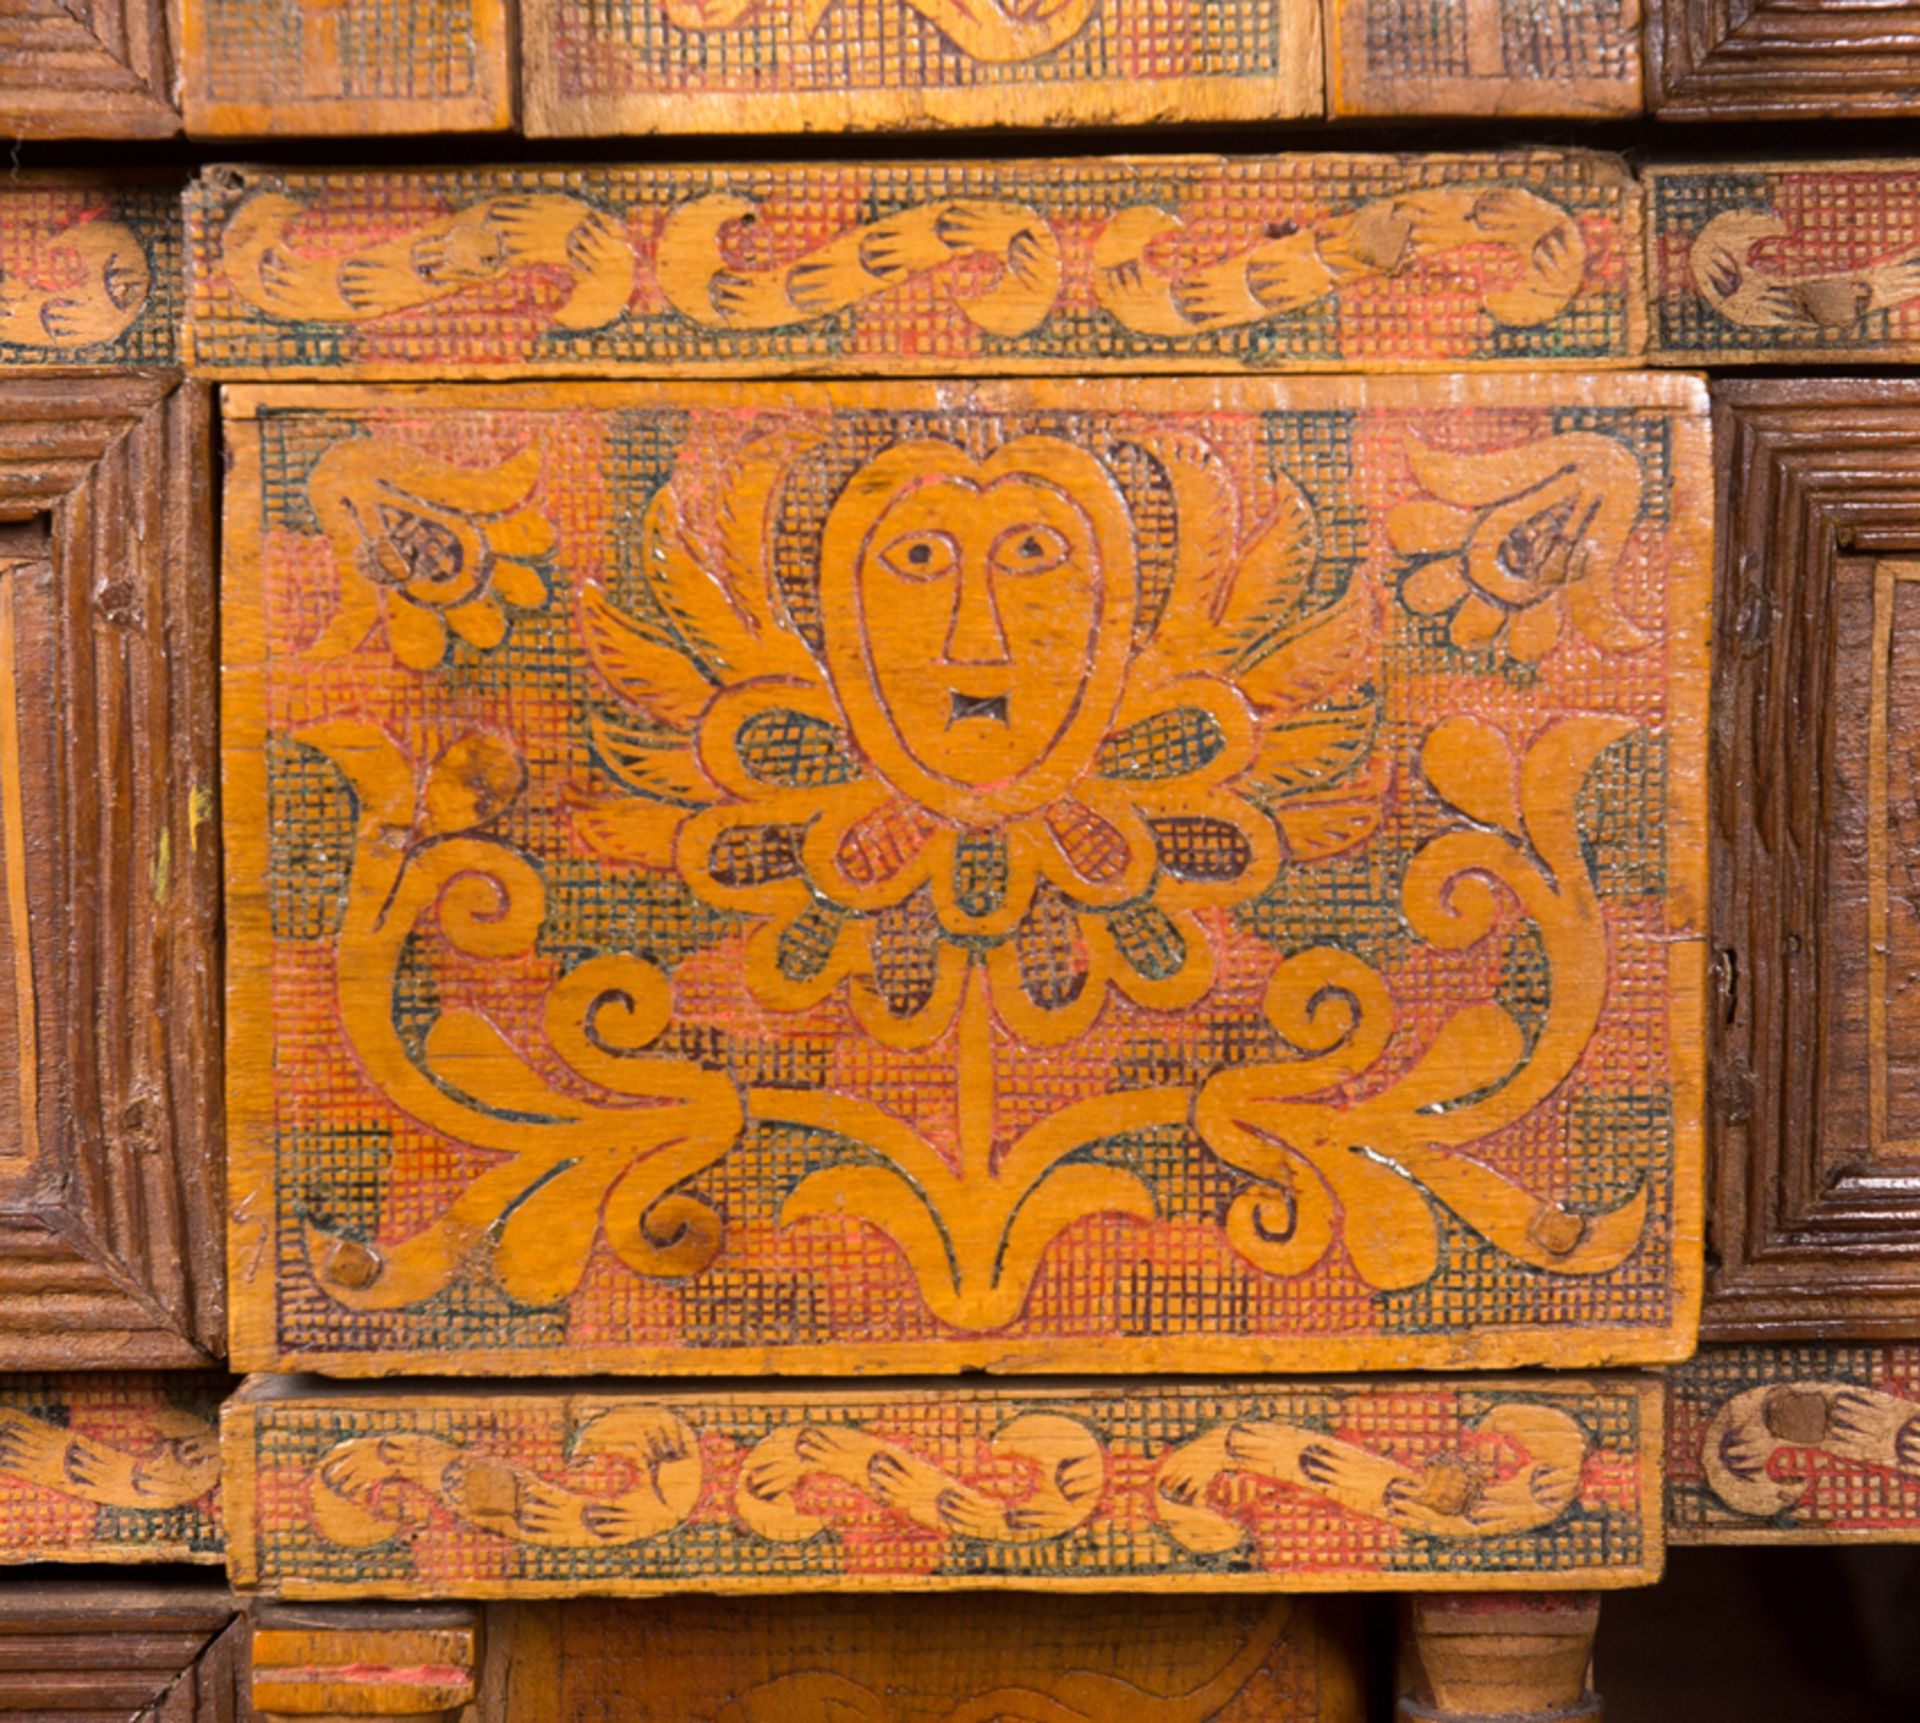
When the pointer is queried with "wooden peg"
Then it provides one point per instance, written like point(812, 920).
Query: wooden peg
point(1492, 1658)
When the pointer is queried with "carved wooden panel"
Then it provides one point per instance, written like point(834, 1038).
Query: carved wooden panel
point(1406, 1484)
point(110, 1467)
point(681, 918)
point(1578, 58)
point(731, 66)
point(346, 68)
point(1814, 1443)
point(925, 1660)
point(87, 69)
point(1524, 260)
point(1784, 263)
point(90, 272)
point(87, 1652)
point(1816, 1180)
point(109, 1163)
point(1775, 59)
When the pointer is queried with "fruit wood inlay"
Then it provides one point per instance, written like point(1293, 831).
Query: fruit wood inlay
point(1326, 262)
point(1784, 262)
point(833, 878)
point(524, 1492)
point(733, 66)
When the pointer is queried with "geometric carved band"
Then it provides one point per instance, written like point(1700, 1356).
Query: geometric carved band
point(1417, 1485)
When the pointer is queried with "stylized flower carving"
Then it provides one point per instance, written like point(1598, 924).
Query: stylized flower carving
point(985, 747)
point(1515, 533)
point(432, 549)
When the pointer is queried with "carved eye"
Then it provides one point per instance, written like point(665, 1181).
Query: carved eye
point(1030, 549)
point(921, 556)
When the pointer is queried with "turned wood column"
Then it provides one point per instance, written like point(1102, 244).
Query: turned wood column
point(1493, 1658)
point(333, 1664)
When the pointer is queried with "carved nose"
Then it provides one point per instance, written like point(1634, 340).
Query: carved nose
point(975, 636)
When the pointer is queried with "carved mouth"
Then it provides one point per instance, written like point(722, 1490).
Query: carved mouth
point(989, 706)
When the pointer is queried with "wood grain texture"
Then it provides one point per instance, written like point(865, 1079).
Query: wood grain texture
point(109, 1215)
point(1815, 1443)
point(346, 68)
point(87, 69)
point(522, 1492)
point(110, 1468)
point(948, 1659)
point(1524, 260)
point(1045, 1044)
point(1574, 58)
point(1832, 59)
point(331, 1665)
point(90, 272)
point(735, 66)
point(1784, 263)
point(1816, 1208)
point(1495, 1659)
point(95, 1653)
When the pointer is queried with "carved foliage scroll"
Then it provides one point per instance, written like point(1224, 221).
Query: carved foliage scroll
point(886, 878)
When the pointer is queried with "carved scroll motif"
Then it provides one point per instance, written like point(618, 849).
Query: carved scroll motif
point(1750, 1447)
point(182, 1465)
point(572, 1169)
point(858, 264)
point(1383, 1155)
point(1546, 260)
point(81, 286)
point(1745, 290)
point(371, 1489)
point(290, 275)
point(1520, 1470)
point(1069, 1462)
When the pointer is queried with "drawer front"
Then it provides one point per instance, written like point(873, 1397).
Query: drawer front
point(920, 877)
point(1523, 261)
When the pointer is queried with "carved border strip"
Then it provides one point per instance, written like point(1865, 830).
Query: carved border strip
point(105, 1251)
point(1524, 260)
point(1805, 1239)
point(94, 276)
point(1813, 1444)
point(110, 1467)
point(1413, 1484)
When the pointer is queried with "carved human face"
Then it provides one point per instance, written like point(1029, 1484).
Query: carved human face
point(977, 618)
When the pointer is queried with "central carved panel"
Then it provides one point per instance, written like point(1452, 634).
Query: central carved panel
point(843, 877)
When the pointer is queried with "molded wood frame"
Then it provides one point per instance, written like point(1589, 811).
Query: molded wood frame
point(157, 1654)
point(110, 1207)
point(87, 69)
point(1763, 59)
point(1807, 1239)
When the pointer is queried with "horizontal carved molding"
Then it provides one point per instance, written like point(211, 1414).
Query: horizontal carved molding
point(508, 1491)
